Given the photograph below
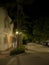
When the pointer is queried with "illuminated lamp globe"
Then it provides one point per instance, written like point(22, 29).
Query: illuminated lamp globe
point(17, 32)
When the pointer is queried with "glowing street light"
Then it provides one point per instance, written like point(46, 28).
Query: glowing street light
point(17, 32)
point(19, 38)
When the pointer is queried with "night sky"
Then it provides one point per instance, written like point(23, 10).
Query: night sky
point(37, 8)
point(32, 8)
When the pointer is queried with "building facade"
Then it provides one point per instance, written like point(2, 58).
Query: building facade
point(6, 30)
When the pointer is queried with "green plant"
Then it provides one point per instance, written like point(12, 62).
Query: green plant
point(17, 51)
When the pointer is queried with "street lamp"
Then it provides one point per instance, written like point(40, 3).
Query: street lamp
point(19, 17)
point(17, 32)
point(19, 39)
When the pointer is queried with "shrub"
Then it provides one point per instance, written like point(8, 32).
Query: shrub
point(17, 51)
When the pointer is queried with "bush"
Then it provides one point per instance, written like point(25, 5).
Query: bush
point(17, 51)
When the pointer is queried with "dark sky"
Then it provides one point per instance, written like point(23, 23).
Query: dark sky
point(32, 8)
point(37, 8)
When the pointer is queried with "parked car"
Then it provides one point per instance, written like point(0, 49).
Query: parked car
point(46, 43)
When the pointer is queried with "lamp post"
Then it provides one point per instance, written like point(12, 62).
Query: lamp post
point(18, 24)
point(19, 39)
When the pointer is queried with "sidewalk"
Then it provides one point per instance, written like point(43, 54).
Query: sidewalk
point(4, 54)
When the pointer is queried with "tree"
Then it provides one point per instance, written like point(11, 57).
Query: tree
point(41, 29)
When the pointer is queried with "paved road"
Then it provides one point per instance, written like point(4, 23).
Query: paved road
point(33, 57)
point(37, 47)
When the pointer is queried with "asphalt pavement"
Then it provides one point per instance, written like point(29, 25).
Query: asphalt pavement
point(34, 55)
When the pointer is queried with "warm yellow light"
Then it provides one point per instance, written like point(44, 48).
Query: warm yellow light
point(17, 32)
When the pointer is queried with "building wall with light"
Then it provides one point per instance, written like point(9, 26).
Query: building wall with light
point(6, 30)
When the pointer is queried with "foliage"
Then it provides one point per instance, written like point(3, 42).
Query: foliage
point(41, 29)
point(17, 51)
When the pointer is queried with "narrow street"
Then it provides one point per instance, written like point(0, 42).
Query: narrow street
point(24, 22)
point(35, 55)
